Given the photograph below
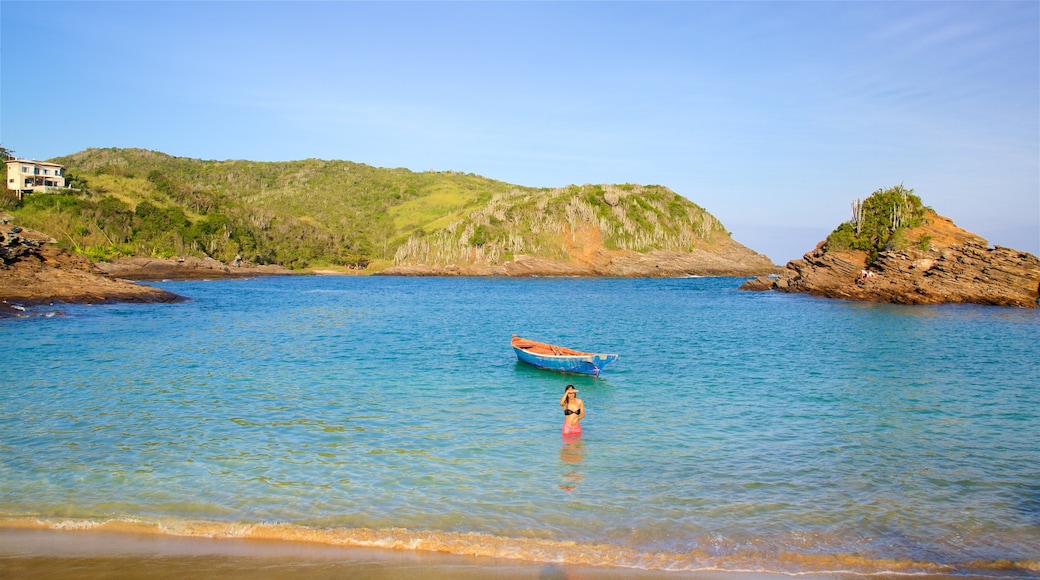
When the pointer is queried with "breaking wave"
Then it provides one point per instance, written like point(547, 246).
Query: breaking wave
point(742, 560)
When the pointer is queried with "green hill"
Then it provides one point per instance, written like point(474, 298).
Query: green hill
point(314, 212)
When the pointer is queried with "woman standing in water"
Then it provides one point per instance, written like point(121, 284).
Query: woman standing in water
point(573, 411)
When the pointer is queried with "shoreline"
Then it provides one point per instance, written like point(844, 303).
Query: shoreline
point(34, 552)
point(141, 268)
point(90, 554)
point(51, 544)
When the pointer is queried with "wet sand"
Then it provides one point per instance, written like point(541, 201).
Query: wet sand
point(114, 555)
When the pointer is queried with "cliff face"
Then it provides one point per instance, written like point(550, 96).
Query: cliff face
point(957, 266)
point(33, 270)
point(589, 257)
point(588, 230)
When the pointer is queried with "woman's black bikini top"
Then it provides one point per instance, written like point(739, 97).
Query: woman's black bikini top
point(569, 412)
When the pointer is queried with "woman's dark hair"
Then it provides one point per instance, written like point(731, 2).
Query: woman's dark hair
point(568, 388)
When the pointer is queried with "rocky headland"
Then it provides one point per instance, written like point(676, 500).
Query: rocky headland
point(942, 264)
point(35, 271)
point(588, 256)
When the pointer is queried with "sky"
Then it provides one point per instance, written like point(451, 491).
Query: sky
point(773, 116)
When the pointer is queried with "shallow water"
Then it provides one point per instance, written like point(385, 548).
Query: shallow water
point(737, 431)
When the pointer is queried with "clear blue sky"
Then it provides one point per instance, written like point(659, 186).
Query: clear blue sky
point(773, 116)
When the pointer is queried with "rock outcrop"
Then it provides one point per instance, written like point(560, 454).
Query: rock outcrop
point(34, 271)
point(589, 257)
point(190, 268)
point(956, 267)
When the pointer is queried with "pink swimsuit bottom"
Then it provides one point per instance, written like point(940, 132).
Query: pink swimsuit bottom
point(572, 429)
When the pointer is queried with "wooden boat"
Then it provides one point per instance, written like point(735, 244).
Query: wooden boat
point(559, 358)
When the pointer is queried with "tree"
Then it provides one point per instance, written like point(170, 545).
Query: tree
point(6, 154)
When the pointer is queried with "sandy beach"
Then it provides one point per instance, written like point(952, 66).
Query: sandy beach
point(29, 553)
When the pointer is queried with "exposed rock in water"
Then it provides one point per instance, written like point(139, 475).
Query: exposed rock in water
point(190, 268)
point(957, 266)
point(34, 271)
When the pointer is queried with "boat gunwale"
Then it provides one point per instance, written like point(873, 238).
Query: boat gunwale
point(581, 354)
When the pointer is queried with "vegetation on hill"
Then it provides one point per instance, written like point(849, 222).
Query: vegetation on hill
point(880, 222)
point(539, 222)
point(316, 212)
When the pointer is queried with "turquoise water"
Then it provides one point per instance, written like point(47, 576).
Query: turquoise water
point(737, 430)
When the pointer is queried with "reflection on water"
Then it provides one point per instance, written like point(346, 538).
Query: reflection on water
point(572, 453)
point(1029, 504)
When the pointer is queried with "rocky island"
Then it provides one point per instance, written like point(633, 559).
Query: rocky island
point(896, 250)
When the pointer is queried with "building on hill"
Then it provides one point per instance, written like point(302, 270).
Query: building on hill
point(24, 176)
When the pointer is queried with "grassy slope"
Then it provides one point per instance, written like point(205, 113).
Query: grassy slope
point(316, 212)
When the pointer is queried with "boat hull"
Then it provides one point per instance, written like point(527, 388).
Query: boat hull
point(581, 363)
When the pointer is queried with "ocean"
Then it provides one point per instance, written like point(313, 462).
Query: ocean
point(737, 431)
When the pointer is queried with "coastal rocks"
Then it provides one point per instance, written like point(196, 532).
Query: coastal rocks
point(522, 266)
point(592, 259)
point(190, 268)
point(695, 263)
point(956, 267)
point(14, 244)
point(34, 271)
point(656, 264)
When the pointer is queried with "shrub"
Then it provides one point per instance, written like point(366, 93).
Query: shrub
point(480, 236)
point(106, 253)
point(8, 199)
point(879, 222)
point(75, 181)
point(842, 239)
point(897, 241)
point(151, 218)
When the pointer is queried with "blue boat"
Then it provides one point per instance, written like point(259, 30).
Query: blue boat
point(560, 358)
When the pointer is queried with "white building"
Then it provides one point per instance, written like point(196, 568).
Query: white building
point(24, 176)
